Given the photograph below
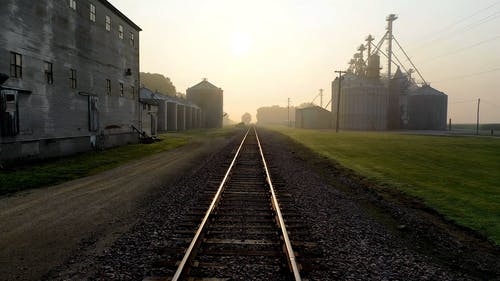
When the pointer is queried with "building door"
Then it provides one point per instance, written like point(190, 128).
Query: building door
point(9, 115)
point(153, 124)
point(93, 114)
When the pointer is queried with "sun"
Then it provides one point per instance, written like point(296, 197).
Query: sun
point(241, 42)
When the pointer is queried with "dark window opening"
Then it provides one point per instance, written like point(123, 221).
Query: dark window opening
point(72, 78)
point(16, 65)
point(9, 116)
point(121, 89)
point(131, 39)
point(133, 91)
point(49, 74)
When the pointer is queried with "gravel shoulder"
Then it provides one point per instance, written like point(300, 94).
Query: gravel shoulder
point(41, 229)
point(367, 233)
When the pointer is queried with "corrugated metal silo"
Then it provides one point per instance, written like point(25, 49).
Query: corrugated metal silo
point(210, 99)
point(427, 109)
point(363, 104)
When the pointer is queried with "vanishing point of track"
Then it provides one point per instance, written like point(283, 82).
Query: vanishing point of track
point(243, 234)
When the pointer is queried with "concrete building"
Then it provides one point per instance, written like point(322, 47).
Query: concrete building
point(313, 117)
point(73, 77)
point(210, 99)
point(173, 114)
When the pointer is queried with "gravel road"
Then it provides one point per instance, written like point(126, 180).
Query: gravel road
point(46, 228)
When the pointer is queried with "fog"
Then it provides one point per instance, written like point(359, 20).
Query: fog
point(263, 52)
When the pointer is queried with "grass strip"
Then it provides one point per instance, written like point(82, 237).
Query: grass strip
point(457, 176)
point(55, 171)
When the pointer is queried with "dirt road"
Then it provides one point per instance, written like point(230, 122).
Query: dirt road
point(40, 229)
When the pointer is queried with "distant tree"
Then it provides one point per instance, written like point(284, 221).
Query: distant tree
point(275, 115)
point(158, 82)
point(246, 118)
point(180, 95)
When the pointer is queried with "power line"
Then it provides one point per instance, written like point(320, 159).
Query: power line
point(462, 30)
point(463, 49)
point(466, 76)
point(465, 101)
point(490, 103)
point(433, 34)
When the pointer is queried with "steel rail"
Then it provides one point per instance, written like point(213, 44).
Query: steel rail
point(288, 245)
point(182, 266)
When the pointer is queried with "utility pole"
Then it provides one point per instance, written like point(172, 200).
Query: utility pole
point(340, 72)
point(321, 97)
point(477, 119)
point(289, 124)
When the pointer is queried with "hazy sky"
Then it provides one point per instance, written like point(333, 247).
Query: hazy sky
point(262, 52)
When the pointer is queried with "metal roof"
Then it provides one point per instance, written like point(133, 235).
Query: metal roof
point(120, 14)
point(146, 93)
point(204, 85)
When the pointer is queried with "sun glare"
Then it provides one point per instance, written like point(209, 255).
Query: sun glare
point(241, 43)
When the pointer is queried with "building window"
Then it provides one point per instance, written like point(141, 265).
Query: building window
point(108, 23)
point(16, 65)
point(108, 86)
point(121, 89)
point(120, 31)
point(72, 4)
point(133, 91)
point(72, 78)
point(49, 74)
point(131, 39)
point(92, 12)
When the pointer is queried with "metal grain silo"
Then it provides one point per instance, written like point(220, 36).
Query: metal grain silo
point(210, 99)
point(427, 109)
point(363, 103)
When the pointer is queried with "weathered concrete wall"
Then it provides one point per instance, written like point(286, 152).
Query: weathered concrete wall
point(48, 30)
point(171, 117)
point(181, 117)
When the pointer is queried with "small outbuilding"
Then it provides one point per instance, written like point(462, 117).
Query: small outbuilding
point(313, 117)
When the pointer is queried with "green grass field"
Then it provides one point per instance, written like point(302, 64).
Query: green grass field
point(56, 171)
point(457, 176)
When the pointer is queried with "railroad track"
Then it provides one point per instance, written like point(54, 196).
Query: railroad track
point(242, 234)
